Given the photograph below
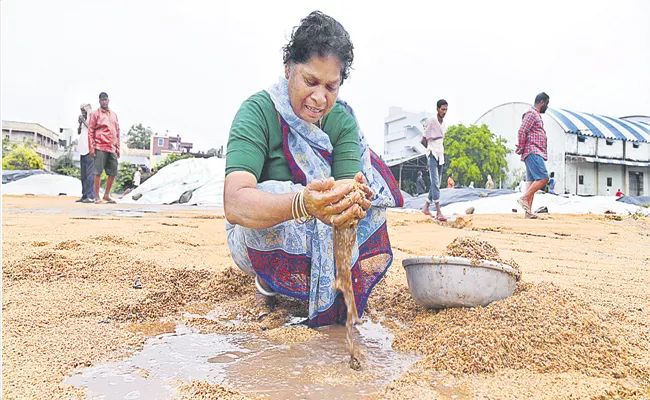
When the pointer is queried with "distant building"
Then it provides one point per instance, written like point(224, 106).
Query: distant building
point(402, 135)
point(67, 137)
point(47, 141)
point(590, 154)
point(403, 152)
point(162, 146)
point(638, 118)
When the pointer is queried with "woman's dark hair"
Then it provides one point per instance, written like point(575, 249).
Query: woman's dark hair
point(320, 35)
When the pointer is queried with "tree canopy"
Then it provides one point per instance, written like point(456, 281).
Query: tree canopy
point(22, 157)
point(474, 152)
point(139, 137)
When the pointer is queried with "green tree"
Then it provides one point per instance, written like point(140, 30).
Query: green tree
point(212, 152)
point(22, 157)
point(139, 137)
point(172, 158)
point(64, 165)
point(473, 152)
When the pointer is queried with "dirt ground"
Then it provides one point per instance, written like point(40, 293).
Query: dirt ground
point(578, 326)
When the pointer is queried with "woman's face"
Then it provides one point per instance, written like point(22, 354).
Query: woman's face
point(314, 86)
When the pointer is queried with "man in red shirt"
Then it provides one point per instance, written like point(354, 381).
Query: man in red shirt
point(104, 145)
point(619, 193)
point(531, 145)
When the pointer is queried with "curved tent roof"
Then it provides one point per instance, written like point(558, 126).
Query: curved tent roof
point(601, 126)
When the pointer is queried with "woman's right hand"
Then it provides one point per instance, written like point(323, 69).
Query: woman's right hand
point(328, 203)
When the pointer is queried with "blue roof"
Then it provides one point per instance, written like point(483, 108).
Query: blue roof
point(601, 126)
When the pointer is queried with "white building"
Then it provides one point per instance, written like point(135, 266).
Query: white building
point(45, 140)
point(590, 154)
point(402, 135)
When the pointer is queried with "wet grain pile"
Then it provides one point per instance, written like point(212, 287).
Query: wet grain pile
point(540, 328)
point(291, 335)
point(476, 250)
point(201, 390)
point(172, 289)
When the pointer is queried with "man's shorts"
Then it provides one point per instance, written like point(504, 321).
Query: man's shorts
point(105, 161)
point(535, 168)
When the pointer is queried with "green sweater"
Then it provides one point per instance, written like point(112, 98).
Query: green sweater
point(255, 141)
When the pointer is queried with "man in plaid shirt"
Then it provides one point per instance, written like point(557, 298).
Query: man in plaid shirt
point(531, 145)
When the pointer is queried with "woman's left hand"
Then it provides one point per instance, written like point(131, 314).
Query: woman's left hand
point(364, 202)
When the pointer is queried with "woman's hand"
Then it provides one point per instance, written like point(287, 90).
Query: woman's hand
point(363, 185)
point(326, 202)
point(360, 197)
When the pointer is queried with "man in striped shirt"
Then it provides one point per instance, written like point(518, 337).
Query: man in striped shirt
point(531, 145)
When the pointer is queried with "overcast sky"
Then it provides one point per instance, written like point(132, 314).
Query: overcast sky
point(186, 66)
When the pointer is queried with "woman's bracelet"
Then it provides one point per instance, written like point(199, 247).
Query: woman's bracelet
point(299, 210)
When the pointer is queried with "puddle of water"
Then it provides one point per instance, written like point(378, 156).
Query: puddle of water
point(251, 364)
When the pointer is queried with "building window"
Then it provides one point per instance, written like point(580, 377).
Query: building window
point(609, 142)
point(635, 145)
point(161, 142)
point(581, 180)
point(609, 182)
point(581, 139)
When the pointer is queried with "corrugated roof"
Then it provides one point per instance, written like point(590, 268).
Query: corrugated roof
point(601, 126)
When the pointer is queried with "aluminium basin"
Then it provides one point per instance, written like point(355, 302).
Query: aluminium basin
point(442, 282)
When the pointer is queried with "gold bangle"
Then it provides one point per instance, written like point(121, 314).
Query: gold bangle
point(299, 210)
point(303, 208)
point(308, 216)
point(294, 208)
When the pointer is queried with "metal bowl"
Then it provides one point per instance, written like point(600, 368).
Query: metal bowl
point(442, 282)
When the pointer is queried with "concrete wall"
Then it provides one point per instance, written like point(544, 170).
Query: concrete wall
point(588, 173)
point(617, 175)
point(641, 153)
point(157, 149)
point(586, 147)
point(572, 183)
point(612, 150)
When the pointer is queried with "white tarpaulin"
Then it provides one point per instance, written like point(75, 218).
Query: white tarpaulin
point(556, 204)
point(202, 178)
point(44, 185)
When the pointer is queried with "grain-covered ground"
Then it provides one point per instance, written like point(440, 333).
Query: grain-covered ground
point(578, 326)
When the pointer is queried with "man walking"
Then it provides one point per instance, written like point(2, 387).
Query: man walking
point(86, 161)
point(434, 133)
point(531, 145)
point(104, 145)
point(420, 186)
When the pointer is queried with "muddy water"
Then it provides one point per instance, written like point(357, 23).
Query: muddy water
point(250, 364)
